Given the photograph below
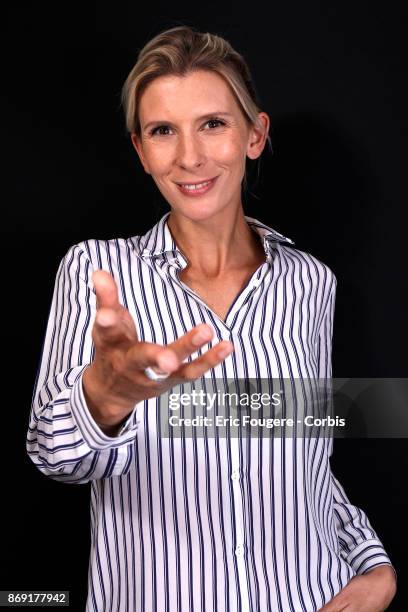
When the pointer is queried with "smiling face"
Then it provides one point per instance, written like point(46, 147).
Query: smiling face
point(193, 131)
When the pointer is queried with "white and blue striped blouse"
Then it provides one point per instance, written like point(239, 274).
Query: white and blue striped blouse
point(200, 524)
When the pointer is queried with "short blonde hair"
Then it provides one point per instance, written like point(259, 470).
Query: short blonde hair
point(181, 50)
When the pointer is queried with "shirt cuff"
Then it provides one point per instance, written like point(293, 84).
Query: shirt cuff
point(92, 434)
point(367, 555)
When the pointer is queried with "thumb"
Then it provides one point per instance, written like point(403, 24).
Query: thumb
point(106, 290)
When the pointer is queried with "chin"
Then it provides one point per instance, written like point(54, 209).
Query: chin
point(197, 211)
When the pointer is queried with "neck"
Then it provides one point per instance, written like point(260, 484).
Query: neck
point(216, 245)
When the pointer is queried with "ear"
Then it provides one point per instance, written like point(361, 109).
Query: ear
point(139, 150)
point(257, 136)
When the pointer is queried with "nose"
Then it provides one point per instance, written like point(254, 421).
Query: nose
point(190, 152)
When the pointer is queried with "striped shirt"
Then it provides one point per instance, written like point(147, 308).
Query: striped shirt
point(189, 524)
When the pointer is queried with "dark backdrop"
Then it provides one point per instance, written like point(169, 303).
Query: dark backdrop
point(332, 77)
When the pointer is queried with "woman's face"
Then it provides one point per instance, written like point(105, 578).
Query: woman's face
point(192, 131)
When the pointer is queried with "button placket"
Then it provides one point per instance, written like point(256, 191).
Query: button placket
point(239, 550)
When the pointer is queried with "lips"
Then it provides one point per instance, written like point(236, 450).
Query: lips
point(196, 189)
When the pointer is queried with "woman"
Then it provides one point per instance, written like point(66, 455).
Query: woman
point(186, 523)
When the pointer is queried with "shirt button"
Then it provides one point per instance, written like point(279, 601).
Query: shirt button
point(235, 475)
point(239, 551)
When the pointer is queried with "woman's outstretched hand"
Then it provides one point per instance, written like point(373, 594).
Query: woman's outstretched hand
point(115, 381)
point(370, 592)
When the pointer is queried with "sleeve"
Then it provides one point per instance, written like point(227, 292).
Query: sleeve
point(63, 440)
point(359, 543)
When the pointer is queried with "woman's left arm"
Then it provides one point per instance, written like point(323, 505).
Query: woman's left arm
point(359, 543)
point(371, 592)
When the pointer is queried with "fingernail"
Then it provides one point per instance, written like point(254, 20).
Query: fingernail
point(200, 336)
point(104, 319)
point(225, 352)
point(167, 362)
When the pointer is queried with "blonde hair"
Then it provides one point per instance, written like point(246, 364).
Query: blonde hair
point(181, 50)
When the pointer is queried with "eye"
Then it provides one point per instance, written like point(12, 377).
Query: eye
point(159, 127)
point(215, 121)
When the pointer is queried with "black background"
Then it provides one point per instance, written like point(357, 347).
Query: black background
point(332, 77)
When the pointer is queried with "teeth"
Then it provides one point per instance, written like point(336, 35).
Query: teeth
point(197, 186)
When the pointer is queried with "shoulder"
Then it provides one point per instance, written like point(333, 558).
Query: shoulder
point(104, 254)
point(308, 267)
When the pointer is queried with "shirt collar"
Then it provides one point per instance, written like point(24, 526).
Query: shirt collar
point(159, 240)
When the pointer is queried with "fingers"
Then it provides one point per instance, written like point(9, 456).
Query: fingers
point(210, 359)
point(106, 290)
point(164, 359)
point(113, 323)
point(110, 333)
point(144, 354)
point(169, 359)
point(191, 341)
point(107, 328)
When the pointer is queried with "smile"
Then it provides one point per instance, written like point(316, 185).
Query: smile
point(196, 189)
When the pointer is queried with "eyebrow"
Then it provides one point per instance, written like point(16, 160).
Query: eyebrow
point(206, 116)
